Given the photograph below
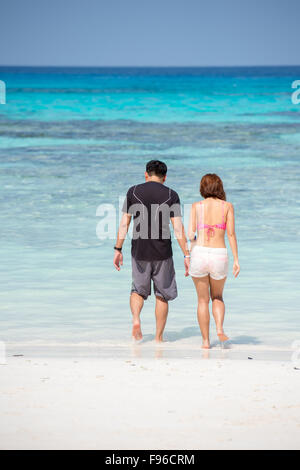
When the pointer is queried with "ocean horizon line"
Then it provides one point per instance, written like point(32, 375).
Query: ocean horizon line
point(152, 66)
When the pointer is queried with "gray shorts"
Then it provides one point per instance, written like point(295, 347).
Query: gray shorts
point(162, 274)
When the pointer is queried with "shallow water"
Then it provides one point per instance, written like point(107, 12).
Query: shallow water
point(72, 139)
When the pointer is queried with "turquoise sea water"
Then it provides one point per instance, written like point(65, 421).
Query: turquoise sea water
point(72, 139)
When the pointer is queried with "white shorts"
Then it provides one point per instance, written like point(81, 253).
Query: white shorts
point(206, 260)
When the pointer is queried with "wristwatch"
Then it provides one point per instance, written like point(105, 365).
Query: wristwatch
point(118, 249)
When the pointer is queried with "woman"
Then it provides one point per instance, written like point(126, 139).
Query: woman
point(209, 219)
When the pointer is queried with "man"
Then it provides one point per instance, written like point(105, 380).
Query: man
point(152, 205)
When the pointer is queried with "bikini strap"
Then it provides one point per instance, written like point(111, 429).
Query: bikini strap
point(200, 218)
point(223, 210)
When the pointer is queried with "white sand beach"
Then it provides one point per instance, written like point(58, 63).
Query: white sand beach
point(144, 402)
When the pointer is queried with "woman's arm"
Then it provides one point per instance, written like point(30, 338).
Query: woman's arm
point(230, 225)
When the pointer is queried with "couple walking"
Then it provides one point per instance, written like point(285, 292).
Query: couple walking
point(152, 206)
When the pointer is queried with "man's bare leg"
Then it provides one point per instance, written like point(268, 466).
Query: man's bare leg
point(161, 313)
point(136, 305)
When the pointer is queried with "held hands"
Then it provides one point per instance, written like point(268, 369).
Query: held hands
point(186, 266)
point(236, 268)
point(118, 260)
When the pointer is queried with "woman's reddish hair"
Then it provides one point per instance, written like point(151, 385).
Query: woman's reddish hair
point(211, 185)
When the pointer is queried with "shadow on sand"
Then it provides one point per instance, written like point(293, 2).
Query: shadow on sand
point(172, 336)
point(244, 339)
point(189, 332)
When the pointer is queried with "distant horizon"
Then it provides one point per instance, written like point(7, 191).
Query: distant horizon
point(149, 66)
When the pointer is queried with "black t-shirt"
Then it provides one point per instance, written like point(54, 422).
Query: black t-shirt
point(152, 205)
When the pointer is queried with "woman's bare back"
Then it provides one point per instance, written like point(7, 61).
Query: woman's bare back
point(210, 222)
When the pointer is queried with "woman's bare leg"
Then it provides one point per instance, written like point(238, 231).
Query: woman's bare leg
point(202, 288)
point(218, 306)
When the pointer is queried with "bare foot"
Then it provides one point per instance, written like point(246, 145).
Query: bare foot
point(137, 332)
point(205, 344)
point(223, 337)
point(159, 339)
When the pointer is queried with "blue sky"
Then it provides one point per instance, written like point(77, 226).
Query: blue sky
point(150, 32)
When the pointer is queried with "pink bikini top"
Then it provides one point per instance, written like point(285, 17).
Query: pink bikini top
point(211, 228)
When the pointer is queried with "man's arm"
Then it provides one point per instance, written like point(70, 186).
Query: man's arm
point(192, 223)
point(182, 241)
point(122, 232)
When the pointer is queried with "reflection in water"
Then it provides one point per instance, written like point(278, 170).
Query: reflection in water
point(159, 351)
point(164, 351)
point(136, 349)
point(205, 354)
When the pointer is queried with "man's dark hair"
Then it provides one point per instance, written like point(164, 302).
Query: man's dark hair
point(155, 167)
